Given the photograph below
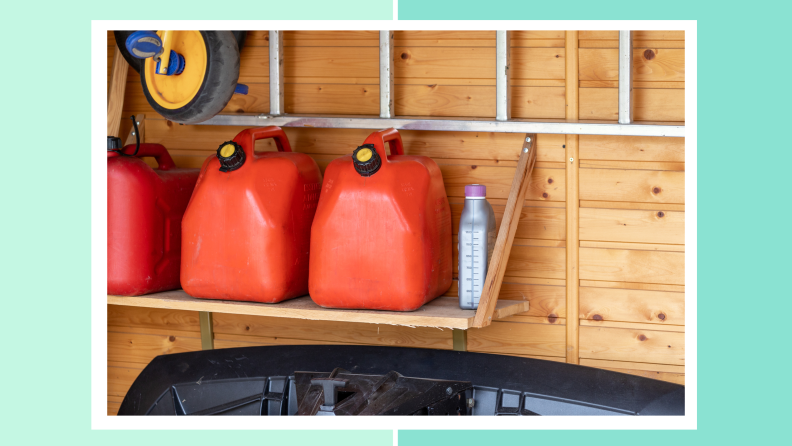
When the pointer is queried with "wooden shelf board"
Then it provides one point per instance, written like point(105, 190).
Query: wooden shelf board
point(443, 312)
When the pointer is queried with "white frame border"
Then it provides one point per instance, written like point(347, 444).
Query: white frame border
point(99, 417)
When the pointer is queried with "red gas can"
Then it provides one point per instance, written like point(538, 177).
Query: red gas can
point(144, 213)
point(381, 238)
point(247, 229)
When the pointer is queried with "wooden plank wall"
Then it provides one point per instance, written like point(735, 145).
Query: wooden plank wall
point(630, 210)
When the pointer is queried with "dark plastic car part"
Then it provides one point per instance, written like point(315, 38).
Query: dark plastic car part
point(387, 380)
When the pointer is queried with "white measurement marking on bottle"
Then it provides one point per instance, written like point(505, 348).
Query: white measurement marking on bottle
point(473, 283)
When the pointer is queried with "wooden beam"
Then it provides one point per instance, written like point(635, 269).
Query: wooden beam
point(115, 93)
point(572, 202)
point(503, 244)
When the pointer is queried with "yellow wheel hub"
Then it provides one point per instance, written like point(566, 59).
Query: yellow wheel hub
point(176, 91)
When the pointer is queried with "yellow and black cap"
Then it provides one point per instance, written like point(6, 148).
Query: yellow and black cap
point(366, 160)
point(231, 156)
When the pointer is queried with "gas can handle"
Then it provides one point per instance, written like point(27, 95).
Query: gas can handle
point(391, 136)
point(247, 138)
point(158, 151)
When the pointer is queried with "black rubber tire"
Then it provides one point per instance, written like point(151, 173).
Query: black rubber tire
point(136, 64)
point(222, 74)
point(240, 38)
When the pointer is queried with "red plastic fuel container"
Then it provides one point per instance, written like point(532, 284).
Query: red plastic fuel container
point(246, 232)
point(381, 238)
point(144, 214)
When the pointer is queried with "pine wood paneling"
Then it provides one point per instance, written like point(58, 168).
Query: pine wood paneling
point(120, 376)
point(648, 64)
point(448, 62)
point(538, 102)
point(547, 301)
point(518, 338)
point(618, 344)
point(650, 104)
point(638, 226)
point(625, 265)
point(538, 63)
point(444, 100)
point(632, 148)
point(156, 318)
point(332, 98)
point(632, 185)
point(331, 62)
point(141, 345)
point(655, 307)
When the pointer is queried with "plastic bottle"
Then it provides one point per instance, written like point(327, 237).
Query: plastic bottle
point(476, 242)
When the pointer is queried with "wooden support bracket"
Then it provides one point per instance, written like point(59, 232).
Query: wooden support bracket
point(115, 93)
point(140, 118)
point(503, 244)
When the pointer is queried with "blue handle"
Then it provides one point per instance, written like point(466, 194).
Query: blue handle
point(144, 44)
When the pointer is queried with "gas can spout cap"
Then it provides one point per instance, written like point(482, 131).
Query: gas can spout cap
point(114, 143)
point(231, 156)
point(366, 160)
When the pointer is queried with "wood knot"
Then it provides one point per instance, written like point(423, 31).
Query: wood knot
point(172, 338)
point(549, 181)
point(641, 338)
point(247, 328)
point(557, 56)
point(649, 55)
point(661, 316)
point(544, 195)
point(656, 190)
point(169, 123)
point(240, 110)
point(552, 318)
point(597, 317)
point(660, 214)
point(405, 56)
point(473, 167)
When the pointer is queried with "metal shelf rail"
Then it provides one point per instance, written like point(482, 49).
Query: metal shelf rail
point(503, 123)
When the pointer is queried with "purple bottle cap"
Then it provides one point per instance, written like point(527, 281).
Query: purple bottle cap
point(475, 191)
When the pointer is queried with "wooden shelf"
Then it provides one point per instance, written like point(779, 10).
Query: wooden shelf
point(443, 312)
